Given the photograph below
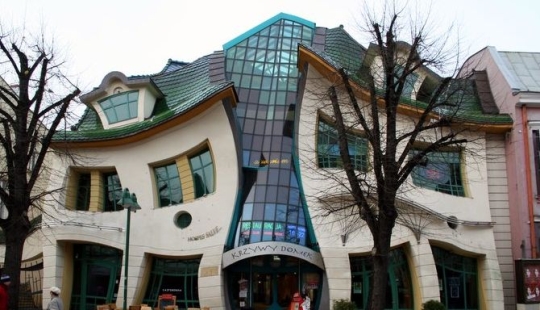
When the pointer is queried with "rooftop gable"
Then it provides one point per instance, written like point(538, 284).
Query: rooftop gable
point(265, 24)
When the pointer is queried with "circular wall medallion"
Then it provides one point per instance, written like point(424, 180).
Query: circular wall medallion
point(183, 219)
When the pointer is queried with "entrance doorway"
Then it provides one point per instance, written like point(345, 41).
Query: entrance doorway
point(269, 282)
point(96, 276)
point(273, 290)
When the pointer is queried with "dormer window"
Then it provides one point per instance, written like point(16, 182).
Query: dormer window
point(121, 101)
point(121, 106)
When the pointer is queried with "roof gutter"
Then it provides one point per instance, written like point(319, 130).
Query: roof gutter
point(528, 180)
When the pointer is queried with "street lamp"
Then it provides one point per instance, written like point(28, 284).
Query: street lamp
point(128, 202)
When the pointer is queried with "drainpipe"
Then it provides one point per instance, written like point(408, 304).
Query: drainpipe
point(528, 179)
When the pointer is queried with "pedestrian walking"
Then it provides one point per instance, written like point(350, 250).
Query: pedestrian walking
point(56, 302)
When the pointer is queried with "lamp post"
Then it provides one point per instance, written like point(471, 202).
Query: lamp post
point(128, 202)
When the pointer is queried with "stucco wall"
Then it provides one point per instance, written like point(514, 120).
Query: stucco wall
point(153, 231)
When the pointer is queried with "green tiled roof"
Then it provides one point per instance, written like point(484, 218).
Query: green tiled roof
point(183, 89)
point(185, 85)
point(341, 51)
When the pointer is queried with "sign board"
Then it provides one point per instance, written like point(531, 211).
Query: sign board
point(272, 248)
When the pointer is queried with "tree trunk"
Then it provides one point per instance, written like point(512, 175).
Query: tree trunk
point(15, 236)
point(381, 252)
point(380, 280)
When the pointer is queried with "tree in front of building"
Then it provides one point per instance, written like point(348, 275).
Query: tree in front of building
point(402, 134)
point(35, 98)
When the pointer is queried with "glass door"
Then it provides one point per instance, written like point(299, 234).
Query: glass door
point(96, 276)
point(100, 283)
point(273, 290)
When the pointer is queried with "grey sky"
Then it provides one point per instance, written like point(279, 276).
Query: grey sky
point(138, 37)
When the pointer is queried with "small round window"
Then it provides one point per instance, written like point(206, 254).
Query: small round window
point(183, 220)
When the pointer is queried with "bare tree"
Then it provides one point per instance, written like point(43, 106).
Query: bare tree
point(401, 132)
point(35, 101)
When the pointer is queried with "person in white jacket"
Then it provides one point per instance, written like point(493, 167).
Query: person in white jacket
point(55, 303)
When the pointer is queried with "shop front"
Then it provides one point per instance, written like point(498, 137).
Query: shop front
point(267, 275)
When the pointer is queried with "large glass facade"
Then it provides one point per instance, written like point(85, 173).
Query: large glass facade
point(263, 67)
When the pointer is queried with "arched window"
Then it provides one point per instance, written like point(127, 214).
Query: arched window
point(458, 279)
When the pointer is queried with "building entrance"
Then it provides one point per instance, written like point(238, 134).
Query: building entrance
point(273, 290)
point(270, 281)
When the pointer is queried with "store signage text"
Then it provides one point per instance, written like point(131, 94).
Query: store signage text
point(272, 248)
point(207, 234)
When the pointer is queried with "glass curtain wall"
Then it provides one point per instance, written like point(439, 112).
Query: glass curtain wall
point(264, 70)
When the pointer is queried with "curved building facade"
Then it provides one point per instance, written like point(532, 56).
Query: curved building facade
point(232, 158)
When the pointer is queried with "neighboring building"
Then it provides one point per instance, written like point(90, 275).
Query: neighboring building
point(515, 80)
point(224, 155)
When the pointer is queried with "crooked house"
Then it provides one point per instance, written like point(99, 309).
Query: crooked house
point(232, 159)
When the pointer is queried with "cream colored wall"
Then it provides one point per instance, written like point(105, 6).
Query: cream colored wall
point(500, 209)
point(470, 240)
point(147, 102)
point(152, 228)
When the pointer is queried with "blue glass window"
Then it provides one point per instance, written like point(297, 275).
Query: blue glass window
point(441, 172)
point(328, 148)
point(202, 170)
point(168, 185)
point(120, 107)
point(264, 70)
point(113, 191)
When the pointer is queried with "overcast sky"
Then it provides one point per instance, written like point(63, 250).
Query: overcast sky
point(138, 37)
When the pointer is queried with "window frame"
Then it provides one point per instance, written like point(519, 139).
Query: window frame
point(169, 178)
point(399, 276)
point(184, 271)
point(116, 191)
point(118, 111)
point(466, 278)
point(205, 168)
point(456, 180)
point(93, 196)
point(82, 199)
point(332, 158)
